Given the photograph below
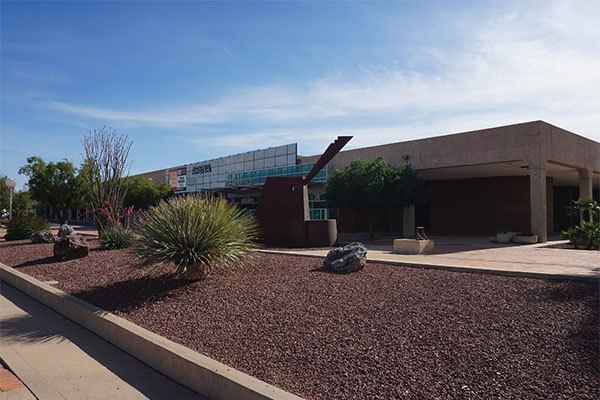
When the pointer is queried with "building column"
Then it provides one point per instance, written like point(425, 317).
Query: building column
point(585, 183)
point(408, 222)
point(537, 203)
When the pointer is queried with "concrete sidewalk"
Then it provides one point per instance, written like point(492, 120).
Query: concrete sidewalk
point(57, 359)
point(477, 255)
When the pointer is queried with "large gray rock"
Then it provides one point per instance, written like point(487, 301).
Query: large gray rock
point(343, 260)
point(65, 230)
point(70, 247)
point(42, 237)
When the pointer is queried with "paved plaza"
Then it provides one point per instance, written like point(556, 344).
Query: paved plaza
point(479, 254)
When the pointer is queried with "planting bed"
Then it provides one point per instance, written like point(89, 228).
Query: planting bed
point(384, 332)
point(569, 246)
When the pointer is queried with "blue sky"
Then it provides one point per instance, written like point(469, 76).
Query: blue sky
point(189, 81)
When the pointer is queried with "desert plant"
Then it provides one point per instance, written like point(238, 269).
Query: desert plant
point(587, 208)
point(105, 164)
point(572, 234)
point(196, 233)
point(589, 231)
point(22, 227)
point(107, 216)
point(143, 193)
point(116, 237)
point(591, 234)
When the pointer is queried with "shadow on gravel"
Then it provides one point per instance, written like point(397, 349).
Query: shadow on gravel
point(584, 338)
point(19, 243)
point(45, 260)
point(129, 294)
point(100, 249)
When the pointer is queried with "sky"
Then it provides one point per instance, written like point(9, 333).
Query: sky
point(190, 81)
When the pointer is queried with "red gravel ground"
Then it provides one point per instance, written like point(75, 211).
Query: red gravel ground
point(384, 332)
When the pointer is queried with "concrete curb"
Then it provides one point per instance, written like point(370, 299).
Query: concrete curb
point(451, 268)
point(191, 369)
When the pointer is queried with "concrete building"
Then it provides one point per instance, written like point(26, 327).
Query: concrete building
point(517, 177)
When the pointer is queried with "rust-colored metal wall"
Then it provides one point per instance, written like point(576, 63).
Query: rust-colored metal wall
point(282, 210)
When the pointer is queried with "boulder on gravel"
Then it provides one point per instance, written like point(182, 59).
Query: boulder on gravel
point(42, 237)
point(343, 260)
point(65, 230)
point(70, 247)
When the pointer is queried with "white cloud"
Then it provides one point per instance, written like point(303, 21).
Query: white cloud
point(523, 64)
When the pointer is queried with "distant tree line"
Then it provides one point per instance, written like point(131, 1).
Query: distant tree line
point(99, 181)
point(23, 204)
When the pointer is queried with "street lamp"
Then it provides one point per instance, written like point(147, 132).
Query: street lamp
point(11, 183)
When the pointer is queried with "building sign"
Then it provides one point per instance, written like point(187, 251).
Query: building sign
point(177, 178)
point(201, 169)
point(173, 179)
point(239, 182)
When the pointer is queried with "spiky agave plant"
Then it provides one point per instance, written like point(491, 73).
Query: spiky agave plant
point(195, 232)
point(116, 237)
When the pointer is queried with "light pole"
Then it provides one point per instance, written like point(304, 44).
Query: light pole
point(11, 183)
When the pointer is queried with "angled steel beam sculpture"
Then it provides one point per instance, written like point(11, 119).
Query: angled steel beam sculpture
point(282, 210)
point(331, 151)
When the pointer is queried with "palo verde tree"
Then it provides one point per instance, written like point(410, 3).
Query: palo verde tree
point(375, 185)
point(23, 204)
point(4, 192)
point(143, 193)
point(54, 184)
point(105, 164)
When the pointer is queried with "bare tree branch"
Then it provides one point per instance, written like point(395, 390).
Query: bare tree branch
point(105, 156)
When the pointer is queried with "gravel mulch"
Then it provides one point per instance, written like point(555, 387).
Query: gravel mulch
point(384, 332)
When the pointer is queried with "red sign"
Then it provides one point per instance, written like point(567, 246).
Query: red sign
point(173, 179)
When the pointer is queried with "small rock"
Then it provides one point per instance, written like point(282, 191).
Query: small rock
point(343, 260)
point(70, 247)
point(65, 230)
point(42, 237)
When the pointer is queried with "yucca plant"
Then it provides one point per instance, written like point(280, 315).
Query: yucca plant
point(196, 233)
point(116, 237)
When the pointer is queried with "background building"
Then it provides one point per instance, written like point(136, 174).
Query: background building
point(517, 177)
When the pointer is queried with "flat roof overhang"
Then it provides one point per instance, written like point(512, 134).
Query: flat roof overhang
point(562, 175)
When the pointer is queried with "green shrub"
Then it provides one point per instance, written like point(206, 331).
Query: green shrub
point(574, 235)
point(116, 237)
point(22, 227)
point(196, 233)
point(588, 234)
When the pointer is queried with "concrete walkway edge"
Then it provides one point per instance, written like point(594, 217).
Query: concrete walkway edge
point(191, 369)
point(452, 268)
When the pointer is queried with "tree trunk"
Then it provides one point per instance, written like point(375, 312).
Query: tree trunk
point(371, 224)
point(62, 215)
